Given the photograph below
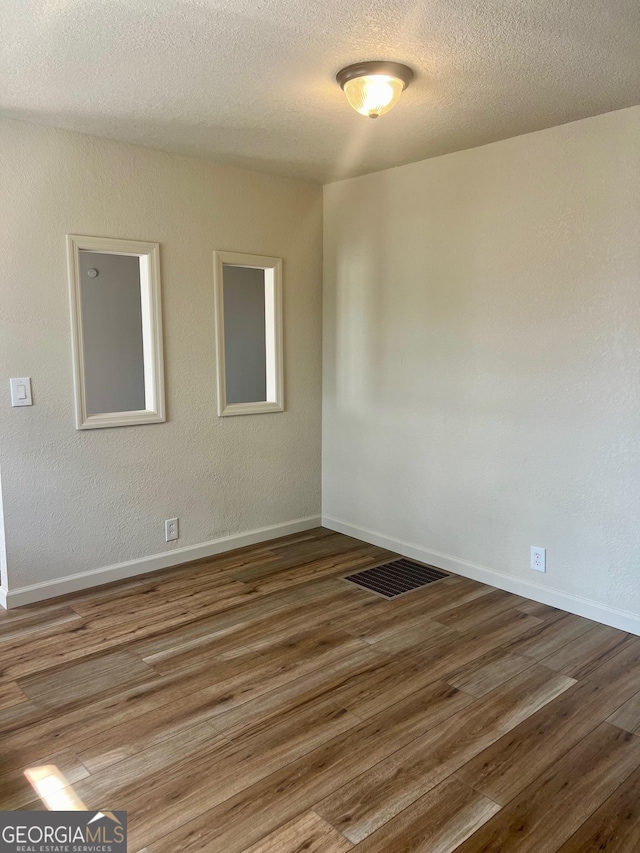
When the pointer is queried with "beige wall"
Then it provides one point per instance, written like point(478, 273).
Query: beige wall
point(482, 358)
point(77, 501)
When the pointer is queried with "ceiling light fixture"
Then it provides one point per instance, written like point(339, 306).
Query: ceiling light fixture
point(373, 88)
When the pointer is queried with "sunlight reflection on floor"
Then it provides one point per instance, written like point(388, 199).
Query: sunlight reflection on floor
point(53, 789)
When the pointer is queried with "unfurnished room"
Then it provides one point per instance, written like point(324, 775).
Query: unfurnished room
point(320, 435)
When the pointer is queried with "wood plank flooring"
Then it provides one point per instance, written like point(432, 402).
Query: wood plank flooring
point(257, 703)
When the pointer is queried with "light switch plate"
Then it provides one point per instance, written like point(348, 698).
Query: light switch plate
point(21, 391)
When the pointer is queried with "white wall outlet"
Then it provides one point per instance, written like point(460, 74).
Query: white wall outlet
point(171, 530)
point(538, 559)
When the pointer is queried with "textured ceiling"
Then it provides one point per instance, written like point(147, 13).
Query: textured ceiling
point(251, 82)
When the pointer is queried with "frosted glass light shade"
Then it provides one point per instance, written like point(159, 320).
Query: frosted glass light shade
point(374, 94)
point(373, 88)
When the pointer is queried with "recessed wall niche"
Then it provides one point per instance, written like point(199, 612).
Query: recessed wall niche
point(116, 322)
point(248, 299)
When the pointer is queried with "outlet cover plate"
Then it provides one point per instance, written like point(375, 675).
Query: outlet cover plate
point(171, 530)
point(538, 559)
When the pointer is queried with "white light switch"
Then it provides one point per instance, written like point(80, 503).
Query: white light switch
point(21, 391)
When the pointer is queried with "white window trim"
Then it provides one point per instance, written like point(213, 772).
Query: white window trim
point(149, 254)
point(273, 325)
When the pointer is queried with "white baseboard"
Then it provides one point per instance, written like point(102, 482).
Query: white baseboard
point(96, 577)
point(622, 619)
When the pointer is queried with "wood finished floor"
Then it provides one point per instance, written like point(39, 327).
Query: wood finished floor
point(257, 703)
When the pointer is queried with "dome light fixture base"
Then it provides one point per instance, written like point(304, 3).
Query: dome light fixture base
point(363, 69)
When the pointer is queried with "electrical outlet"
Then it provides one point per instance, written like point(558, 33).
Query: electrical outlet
point(538, 559)
point(171, 530)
